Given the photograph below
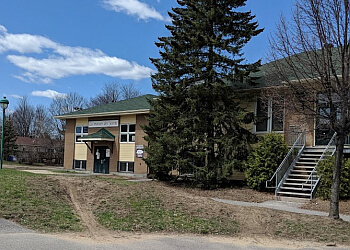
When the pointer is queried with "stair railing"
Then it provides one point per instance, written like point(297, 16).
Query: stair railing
point(287, 163)
point(313, 177)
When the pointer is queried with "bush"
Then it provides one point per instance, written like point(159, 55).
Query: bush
point(264, 160)
point(325, 169)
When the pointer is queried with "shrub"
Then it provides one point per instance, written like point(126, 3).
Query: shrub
point(325, 169)
point(264, 160)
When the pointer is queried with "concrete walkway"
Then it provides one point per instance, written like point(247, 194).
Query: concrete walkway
point(37, 171)
point(287, 206)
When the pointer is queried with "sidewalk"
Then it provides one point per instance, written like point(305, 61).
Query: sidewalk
point(292, 207)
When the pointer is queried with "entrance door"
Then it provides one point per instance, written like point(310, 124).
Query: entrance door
point(101, 162)
point(323, 131)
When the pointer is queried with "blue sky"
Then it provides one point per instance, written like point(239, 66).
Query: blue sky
point(50, 48)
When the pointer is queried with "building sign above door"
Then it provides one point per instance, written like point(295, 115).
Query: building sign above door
point(103, 124)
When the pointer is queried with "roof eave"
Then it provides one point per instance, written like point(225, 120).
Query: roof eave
point(128, 112)
point(95, 139)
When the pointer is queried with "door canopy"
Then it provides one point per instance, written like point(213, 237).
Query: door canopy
point(101, 135)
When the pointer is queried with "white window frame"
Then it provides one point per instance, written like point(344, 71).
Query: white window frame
point(80, 164)
point(81, 134)
point(269, 119)
point(127, 133)
point(127, 167)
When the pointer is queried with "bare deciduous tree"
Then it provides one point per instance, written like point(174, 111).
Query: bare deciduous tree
point(311, 56)
point(129, 91)
point(22, 118)
point(114, 92)
point(65, 104)
point(42, 123)
point(110, 93)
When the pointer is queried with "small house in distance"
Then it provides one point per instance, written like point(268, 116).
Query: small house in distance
point(31, 150)
point(107, 138)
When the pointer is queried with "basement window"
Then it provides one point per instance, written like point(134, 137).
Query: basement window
point(127, 167)
point(79, 164)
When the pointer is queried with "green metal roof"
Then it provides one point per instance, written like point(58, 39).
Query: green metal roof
point(101, 135)
point(303, 64)
point(138, 104)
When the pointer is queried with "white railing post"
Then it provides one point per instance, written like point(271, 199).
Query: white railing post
point(282, 167)
point(311, 176)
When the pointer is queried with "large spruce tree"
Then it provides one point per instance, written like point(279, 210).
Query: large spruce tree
point(197, 123)
point(10, 138)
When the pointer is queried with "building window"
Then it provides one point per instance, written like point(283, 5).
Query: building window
point(79, 164)
point(81, 131)
point(127, 132)
point(125, 166)
point(270, 115)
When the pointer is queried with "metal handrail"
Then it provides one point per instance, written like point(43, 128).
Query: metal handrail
point(296, 143)
point(311, 175)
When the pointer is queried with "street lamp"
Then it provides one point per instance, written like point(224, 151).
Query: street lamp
point(4, 104)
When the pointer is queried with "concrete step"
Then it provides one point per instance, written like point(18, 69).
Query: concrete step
point(311, 155)
point(300, 171)
point(314, 150)
point(295, 184)
point(308, 159)
point(298, 180)
point(294, 194)
point(296, 189)
point(298, 186)
point(305, 163)
point(300, 200)
point(299, 175)
point(304, 167)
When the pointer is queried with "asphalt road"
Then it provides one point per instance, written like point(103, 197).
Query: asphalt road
point(14, 237)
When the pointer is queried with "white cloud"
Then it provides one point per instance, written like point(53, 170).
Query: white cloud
point(63, 61)
point(43, 70)
point(49, 93)
point(134, 8)
point(23, 43)
point(30, 77)
point(16, 96)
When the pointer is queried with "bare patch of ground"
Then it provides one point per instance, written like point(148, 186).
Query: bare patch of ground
point(83, 193)
point(89, 194)
point(237, 194)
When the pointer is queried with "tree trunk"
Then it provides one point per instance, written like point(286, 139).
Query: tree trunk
point(334, 204)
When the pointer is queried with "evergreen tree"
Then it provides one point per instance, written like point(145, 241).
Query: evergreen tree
point(10, 137)
point(197, 123)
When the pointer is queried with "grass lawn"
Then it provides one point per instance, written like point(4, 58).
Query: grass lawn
point(142, 207)
point(331, 231)
point(27, 203)
point(147, 212)
point(45, 203)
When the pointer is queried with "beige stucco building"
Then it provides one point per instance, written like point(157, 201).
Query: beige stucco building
point(108, 138)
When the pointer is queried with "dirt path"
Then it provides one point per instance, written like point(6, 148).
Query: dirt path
point(83, 209)
point(88, 194)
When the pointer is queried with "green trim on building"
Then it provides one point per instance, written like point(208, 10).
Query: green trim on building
point(101, 135)
point(133, 105)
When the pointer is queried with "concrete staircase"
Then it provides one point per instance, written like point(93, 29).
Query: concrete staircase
point(296, 183)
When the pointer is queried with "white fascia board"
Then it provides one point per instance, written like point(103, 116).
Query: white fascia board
point(113, 113)
point(94, 139)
